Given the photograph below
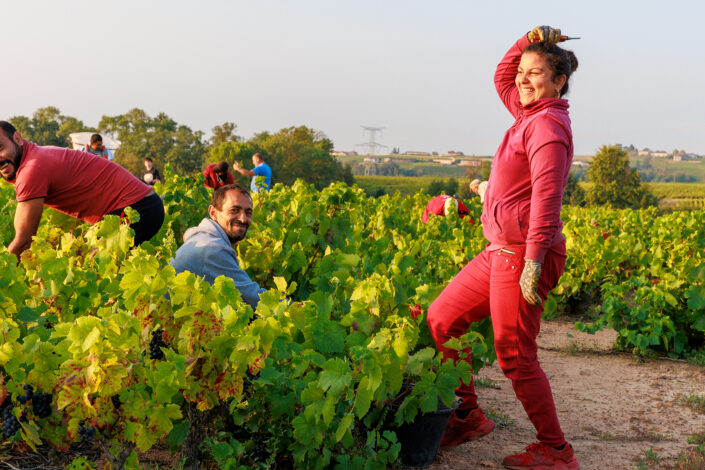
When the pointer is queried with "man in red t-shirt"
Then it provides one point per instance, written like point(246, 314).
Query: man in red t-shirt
point(76, 183)
point(217, 175)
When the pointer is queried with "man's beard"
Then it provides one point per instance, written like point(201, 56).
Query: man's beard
point(15, 163)
point(236, 237)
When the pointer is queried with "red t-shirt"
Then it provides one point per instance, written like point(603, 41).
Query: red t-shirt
point(76, 183)
point(212, 180)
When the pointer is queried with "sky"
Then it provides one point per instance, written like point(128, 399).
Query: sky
point(421, 69)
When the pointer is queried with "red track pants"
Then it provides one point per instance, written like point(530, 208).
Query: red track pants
point(489, 286)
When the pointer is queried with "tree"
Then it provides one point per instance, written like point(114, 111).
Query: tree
point(614, 183)
point(451, 186)
point(388, 169)
point(573, 195)
point(230, 152)
point(439, 186)
point(472, 172)
point(485, 168)
point(160, 138)
point(482, 172)
point(224, 133)
point(49, 127)
point(301, 152)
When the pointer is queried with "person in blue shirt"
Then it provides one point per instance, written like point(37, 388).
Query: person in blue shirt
point(260, 169)
point(209, 249)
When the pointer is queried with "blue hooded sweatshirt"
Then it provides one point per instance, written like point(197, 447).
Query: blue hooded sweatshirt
point(207, 253)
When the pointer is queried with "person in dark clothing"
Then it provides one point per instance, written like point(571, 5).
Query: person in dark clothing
point(151, 174)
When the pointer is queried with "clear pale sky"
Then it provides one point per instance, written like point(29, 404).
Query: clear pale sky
point(421, 69)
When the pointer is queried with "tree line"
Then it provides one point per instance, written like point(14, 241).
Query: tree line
point(292, 153)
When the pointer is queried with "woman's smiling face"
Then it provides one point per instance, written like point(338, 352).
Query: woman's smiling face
point(535, 79)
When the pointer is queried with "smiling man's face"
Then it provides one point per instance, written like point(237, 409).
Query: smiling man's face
point(10, 154)
point(235, 215)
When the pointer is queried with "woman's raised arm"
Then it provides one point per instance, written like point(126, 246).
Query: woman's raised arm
point(505, 75)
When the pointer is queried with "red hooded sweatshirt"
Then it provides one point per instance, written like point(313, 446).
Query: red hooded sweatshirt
point(530, 169)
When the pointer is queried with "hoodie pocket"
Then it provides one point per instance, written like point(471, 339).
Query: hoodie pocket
point(489, 217)
point(507, 220)
point(523, 218)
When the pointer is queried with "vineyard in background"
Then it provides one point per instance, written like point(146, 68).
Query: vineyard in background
point(105, 343)
point(671, 196)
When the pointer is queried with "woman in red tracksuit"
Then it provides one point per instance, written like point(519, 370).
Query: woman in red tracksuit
point(525, 257)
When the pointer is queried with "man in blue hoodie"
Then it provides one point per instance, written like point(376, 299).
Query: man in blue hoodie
point(208, 249)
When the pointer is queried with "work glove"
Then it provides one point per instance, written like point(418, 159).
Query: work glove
point(529, 281)
point(544, 33)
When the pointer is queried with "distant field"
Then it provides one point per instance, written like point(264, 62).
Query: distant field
point(659, 169)
point(672, 195)
point(678, 190)
point(434, 169)
point(420, 165)
point(406, 185)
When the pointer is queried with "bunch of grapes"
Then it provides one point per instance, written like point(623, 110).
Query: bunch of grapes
point(156, 345)
point(28, 392)
point(41, 405)
point(10, 425)
point(116, 401)
point(85, 433)
point(247, 382)
point(259, 451)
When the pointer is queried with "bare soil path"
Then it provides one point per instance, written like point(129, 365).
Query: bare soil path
point(612, 407)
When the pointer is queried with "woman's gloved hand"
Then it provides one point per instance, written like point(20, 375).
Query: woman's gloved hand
point(544, 33)
point(529, 281)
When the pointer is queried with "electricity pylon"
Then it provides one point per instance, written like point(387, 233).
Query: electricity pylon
point(371, 144)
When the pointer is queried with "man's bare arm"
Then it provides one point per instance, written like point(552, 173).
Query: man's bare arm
point(242, 171)
point(27, 217)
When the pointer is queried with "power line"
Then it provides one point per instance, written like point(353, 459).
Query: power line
point(371, 145)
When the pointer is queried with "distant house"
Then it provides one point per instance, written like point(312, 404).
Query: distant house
point(453, 152)
point(445, 161)
point(340, 153)
point(580, 163)
point(660, 154)
point(470, 162)
point(371, 159)
point(644, 153)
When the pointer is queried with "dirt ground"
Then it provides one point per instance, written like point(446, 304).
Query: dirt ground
point(612, 407)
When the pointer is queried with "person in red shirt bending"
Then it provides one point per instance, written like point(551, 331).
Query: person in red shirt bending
point(441, 205)
point(76, 183)
point(510, 279)
point(217, 175)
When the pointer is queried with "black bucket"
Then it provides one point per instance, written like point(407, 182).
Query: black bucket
point(421, 438)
